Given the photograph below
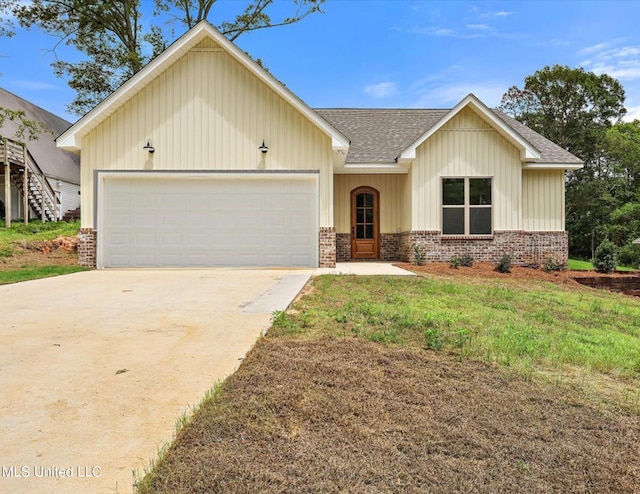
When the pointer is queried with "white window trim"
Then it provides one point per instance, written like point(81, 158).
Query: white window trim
point(467, 207)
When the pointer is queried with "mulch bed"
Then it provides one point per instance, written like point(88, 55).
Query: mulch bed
point(359, 417)
point(487, 270)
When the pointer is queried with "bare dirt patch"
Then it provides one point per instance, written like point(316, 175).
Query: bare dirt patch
point(59, 252)
point(353, 416)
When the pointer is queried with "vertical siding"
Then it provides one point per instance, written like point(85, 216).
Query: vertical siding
point(543, 200)
point(467, 146)
point(207, 112)
point(391, 189)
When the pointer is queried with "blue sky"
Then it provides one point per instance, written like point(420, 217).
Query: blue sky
point(397, 53)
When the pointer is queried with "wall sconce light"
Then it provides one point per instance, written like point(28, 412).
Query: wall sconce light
point(149, 147)
point(263, 148)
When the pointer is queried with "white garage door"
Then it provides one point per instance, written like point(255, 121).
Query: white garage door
point(200, 220)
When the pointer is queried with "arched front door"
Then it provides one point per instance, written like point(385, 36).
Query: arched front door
point(365, 224)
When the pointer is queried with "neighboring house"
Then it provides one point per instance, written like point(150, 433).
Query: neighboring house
point(52, 174)
point(204, 159)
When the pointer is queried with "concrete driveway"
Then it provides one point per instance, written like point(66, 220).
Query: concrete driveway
point(95, 367)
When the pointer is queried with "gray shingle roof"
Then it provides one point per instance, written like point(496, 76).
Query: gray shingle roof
point(54, 162)
point(381, 135)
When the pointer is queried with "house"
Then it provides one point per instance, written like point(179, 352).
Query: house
point(204, 159)
point(51, 175)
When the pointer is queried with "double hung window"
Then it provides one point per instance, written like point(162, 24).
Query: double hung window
point(466, 206)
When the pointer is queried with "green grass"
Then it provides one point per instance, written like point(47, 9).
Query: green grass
point(27, 273)
point(35, 231)
point(522, 326)
point(577, 265)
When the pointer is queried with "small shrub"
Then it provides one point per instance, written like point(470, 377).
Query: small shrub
point(419, 256)
point(604, 260)
point(552, 265)
point(504, 264)
point(467, 261)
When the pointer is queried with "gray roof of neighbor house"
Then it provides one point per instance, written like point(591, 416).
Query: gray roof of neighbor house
point(55, 163)
point(381, 135)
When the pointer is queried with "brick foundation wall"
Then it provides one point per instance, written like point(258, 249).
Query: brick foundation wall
point(343, 247)
point(390, 246)
point(327, 251)
point(87, 247)
point(525, 248)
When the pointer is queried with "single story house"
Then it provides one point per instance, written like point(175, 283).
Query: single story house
point(205, 159)
point(51, 174)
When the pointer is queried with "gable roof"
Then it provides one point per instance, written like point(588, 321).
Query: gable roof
point(393, 135)
point(72, 138)
point(55, 163)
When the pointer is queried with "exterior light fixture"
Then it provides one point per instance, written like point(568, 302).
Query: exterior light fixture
point(149, 147)
point(263, 148)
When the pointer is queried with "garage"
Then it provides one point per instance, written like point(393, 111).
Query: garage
point(160, 219)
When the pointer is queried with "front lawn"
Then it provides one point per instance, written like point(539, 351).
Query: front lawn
point(578, 265)
point(34, 273)
point(426, 384)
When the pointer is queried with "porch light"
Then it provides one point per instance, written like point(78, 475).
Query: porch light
point(263, 148)
point(149, 147)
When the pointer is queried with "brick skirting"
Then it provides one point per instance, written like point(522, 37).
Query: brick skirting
point(87, 247)
point(525, 248)
point(327, 252)
point(343, 247)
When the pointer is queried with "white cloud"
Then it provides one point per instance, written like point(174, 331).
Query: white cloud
point(481, 27)
point(503, 13)
point(444, 32)
point(633, 113)
point(381, 90)
point(621, 62)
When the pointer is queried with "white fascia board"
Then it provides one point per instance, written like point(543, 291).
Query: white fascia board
point(527, 150)
point(365, 168)
point(71, 139)
point(552, 166)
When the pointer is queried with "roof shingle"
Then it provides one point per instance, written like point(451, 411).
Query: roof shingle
point(381, 135)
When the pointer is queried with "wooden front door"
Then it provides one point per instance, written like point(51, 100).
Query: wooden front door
point(365, 227)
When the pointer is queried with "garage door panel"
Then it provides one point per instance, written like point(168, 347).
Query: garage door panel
point(208, 221)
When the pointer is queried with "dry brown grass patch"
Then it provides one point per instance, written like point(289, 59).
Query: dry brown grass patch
point(345, 415)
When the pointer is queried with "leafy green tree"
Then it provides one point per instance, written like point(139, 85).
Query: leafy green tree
point(575, 109)
point(571, 107)
point(117, 40)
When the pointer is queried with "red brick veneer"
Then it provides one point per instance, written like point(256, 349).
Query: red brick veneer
point(87, 247)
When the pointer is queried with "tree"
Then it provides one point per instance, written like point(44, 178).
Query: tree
point(571, 107)
point(115, 41)
point(575, 109)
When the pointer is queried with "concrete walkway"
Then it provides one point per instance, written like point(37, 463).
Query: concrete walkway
point(364, 269)
point(96, 367)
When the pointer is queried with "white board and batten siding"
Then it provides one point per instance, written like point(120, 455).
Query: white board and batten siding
point(207, 219)
point(543, 195)
point(207, 111)
point(467, 146)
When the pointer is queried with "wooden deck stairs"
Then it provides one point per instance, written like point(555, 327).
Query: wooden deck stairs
point(25, 174)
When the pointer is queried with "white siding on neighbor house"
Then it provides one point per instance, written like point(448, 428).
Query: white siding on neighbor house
point(390, 187)
point(543, 207)
point(466, 146)
point(207, 112)
point(69, 195)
